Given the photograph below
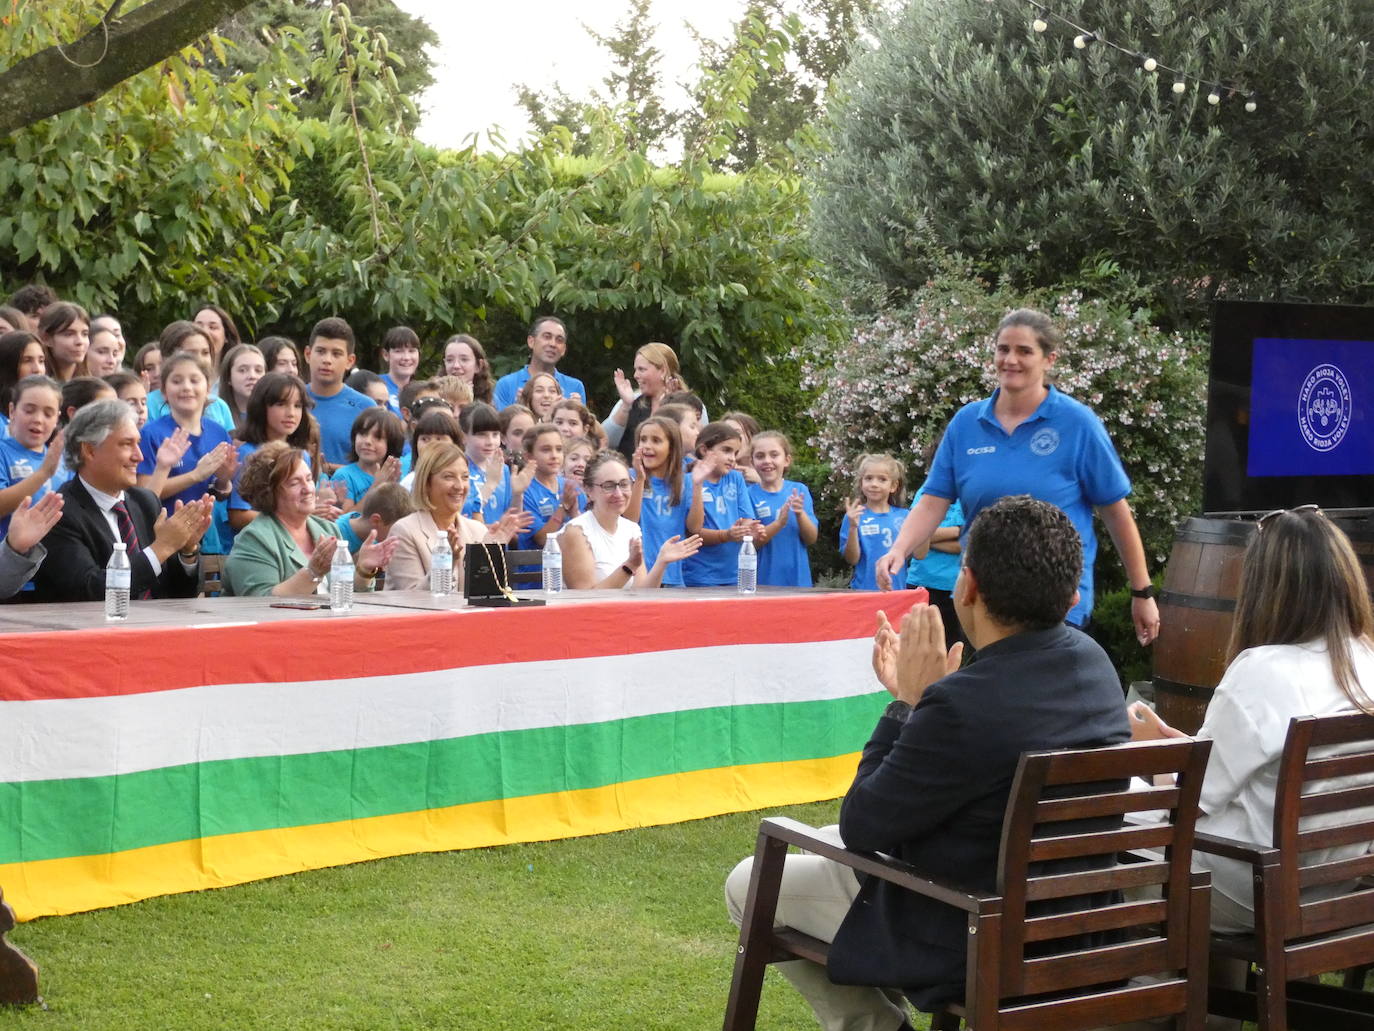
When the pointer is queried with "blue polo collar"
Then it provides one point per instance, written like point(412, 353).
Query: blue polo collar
point(987, 413)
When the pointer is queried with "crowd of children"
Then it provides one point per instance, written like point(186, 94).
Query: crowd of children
point(205, 401)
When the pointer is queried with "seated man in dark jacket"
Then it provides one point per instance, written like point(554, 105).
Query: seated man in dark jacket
point(102, 505)
point(933, 783)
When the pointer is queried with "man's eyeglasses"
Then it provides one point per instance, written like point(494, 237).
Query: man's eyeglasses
point(611, 486)
point(1280, 511)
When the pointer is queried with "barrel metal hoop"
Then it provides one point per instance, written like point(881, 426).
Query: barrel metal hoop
point(1167, 686)
point(1197, 601)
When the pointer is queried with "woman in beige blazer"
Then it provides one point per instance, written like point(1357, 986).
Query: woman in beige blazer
point(440, 488)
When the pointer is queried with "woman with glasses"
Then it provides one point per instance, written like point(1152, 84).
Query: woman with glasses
point(601, 548)
point(1300, 646)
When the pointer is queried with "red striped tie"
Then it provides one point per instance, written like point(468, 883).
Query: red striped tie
point(129, 532)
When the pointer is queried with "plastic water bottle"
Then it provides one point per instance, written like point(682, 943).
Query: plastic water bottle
point(118, 577)
point(441, 567)
point(341, 579)
point(748, 576)
point(553, 566)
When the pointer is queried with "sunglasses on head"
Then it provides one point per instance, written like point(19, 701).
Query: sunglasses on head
point(1280, 511)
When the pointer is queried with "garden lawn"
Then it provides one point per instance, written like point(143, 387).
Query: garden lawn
point(605, 933)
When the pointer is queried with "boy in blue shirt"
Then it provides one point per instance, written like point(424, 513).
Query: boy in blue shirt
point(329, 355)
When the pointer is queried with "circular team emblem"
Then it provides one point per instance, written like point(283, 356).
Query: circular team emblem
point(1324, 408)
point(1044, 442)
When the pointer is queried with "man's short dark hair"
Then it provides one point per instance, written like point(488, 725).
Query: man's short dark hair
point(541, 319)
point(1027, 558)
point(685, 398)
point(333, 328)
point(33, 298)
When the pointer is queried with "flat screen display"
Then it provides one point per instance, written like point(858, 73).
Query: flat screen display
point(1290, 408)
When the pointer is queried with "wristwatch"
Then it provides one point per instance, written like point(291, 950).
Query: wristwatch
point(897, 710)
point(1148, 591)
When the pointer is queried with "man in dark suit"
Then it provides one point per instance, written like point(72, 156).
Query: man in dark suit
point(103, 505)
point(934, 779)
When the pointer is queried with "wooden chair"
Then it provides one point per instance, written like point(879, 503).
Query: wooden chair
point(18, 975)
point(531, 578)
point(211, 576)
point(1029, 969)
point(1296, 938)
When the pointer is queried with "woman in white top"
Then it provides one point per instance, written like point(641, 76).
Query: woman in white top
point(602, 549)
point(440, 489)
point(1301, 645)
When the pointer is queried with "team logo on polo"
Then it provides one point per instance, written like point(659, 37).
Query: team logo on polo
point(1044, 442)
point(1324, 408)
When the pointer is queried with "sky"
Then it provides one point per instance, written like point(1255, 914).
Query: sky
point(487, 49)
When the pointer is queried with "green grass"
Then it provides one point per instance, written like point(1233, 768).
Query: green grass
point(620, 931)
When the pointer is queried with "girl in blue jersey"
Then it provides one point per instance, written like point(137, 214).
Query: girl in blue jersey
point(577, 455)
point(786, 511)
point(378, 440)
point(278, 409)
point(489, 489)
point(727, 509)
point(875, 514)
point(660, 501)
point(31, 455)
point(550, 497)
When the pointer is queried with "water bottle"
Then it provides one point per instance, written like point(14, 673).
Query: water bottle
point(441, 567)
point(341, 579)
point(748, 576)
point(553, 566)
point(118, 577)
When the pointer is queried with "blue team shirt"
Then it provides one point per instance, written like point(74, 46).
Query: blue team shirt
point(1061, 454)
point(344, 524)
point(939, 569)
point(723, 503)
point(211, 435)
point(356, 482)
point(541, 501)
point(18, 463)
point(496, 505)
point(335, 416)
point(216, 409)
point(508, 387)
point(783, 561)
point(877, 531)
point(393, 391)
point(659, 519)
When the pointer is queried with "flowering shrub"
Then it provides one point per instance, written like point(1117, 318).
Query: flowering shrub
point(901, 376)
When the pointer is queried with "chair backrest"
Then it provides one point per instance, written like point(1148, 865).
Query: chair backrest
point(1324, 823)
point(1065, 926)
point(212, 575)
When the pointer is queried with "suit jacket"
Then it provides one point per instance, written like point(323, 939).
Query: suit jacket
point(408, 569)
point(933, 792)
point(265, 554)
point(80, 545)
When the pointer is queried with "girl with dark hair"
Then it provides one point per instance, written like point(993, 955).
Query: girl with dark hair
point(21, 354)
point(375, 457)
point(239, 372)
point(79, 392)
point(218, 328)
point(280, 354)
point(186, 337)
point(65, 330)
point(465, 358)
point(727, 512)
point(401, 352)
point(278, 410)
point(489, 477)
point(660, 502)
point(1301, 645)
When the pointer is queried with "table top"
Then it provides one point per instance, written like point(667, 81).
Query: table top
point(220, 612)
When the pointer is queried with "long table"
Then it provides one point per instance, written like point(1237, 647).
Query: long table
point(217, 741)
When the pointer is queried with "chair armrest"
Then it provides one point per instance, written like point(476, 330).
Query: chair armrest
point(875, 864)
point(1231, 848)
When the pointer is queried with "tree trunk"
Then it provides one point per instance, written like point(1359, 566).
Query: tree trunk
point(58, 79)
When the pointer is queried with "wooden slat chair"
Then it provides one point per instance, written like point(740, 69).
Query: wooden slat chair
point(1296, 938)
point(1029, 969)
point(211, 576)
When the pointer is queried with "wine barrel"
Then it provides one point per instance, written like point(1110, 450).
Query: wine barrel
point(1198, 603)
point(1196, 607)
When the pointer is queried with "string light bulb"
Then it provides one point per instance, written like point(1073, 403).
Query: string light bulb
point(1040, 25)
point(1251, 106)
point(1150, 64)
point(1082, 40)
point(1214, 98)
point(1179, 86)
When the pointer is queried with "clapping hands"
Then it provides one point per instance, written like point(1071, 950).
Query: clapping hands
point(32, 520)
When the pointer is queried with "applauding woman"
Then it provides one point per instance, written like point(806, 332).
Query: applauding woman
point(657, 374)
point(440, 491)
point(601, 548)
point(288, 549)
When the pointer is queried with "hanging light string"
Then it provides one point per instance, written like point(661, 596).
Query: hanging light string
point(1084, 38)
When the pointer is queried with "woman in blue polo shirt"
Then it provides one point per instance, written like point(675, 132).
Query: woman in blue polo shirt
point(1028, 438)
